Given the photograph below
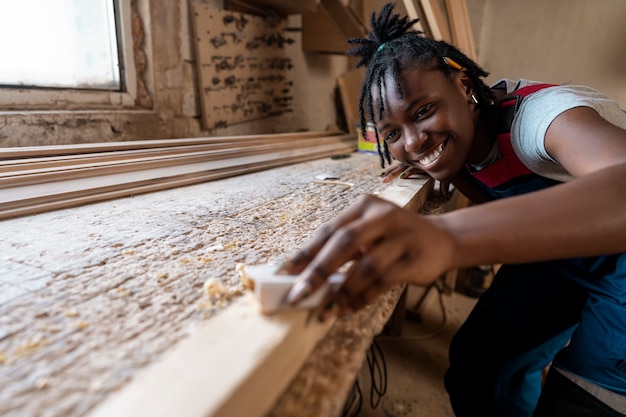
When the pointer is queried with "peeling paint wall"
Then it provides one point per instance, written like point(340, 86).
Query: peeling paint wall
point(167, 103)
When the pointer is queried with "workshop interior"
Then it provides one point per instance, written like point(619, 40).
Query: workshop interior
point(156, 156)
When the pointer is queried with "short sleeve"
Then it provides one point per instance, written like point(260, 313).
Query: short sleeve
point(539, 110)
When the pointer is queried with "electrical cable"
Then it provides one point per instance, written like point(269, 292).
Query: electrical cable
point(378, 374)
point(377, 368)
point(354, 403)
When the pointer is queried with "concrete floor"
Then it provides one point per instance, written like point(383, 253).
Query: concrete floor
point(416, 360)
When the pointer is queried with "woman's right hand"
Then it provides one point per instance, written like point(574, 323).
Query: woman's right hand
point(386, 245)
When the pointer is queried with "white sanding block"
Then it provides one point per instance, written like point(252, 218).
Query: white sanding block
point(271, 290)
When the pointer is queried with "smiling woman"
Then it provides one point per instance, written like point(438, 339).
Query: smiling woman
point(59, 44)
point(558, 300)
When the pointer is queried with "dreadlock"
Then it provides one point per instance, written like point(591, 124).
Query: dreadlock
point(392, 45)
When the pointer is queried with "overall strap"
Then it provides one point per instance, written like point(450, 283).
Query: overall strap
point(508, 167)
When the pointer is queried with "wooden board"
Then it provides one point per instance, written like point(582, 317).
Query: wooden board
point(460, 27)
point(413, 10)
point(225, 376)
point(435, 15)
point(328, 29)
point(35, 184)
point(349, 85)
point(243, 66)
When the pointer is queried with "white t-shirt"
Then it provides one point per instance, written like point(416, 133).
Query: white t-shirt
point(537, 112)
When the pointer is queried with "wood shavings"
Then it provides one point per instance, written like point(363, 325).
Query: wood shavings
point(122, 291)
point(218, 293)
point(71, 312)
point(30, 346)
point(81, 325)
point(3, 357)
point(232, 245)
point(214, 289)
point(203, 260)
point(244, 278)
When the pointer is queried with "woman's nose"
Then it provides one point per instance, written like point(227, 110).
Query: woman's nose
point(414, 139)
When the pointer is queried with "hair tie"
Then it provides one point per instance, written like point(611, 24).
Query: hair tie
point(382, 45)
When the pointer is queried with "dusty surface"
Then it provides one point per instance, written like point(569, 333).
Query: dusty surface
point(92, 294)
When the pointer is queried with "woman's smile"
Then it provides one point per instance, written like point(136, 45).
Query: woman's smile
point(433, 156)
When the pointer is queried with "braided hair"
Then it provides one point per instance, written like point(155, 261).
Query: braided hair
point(391, 45)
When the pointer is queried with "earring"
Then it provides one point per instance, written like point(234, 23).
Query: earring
point(474, 99)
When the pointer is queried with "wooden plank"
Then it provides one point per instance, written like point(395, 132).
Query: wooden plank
point(42, 151)
point(460, 27)
point(71, 189)
point(208, 376)
point(413, 12)
point(328, 29)
point(349, 85)
point(437, 20)
point(351, 25)
point(95, 167)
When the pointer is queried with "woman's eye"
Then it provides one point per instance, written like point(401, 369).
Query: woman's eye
point(392, 136)
point(423, 111)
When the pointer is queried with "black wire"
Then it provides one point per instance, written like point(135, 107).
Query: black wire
point(378, 373)
point(354, 403)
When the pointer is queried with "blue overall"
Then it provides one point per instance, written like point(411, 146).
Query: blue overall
point(569, 312)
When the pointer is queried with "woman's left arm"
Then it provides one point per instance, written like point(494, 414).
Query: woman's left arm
point(584, 217)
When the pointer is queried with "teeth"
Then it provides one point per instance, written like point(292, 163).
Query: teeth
point(430, 158)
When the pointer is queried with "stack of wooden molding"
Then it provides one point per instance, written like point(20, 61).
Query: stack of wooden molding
point(37, 179)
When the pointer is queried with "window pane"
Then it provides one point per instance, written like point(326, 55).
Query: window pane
point(59, 43)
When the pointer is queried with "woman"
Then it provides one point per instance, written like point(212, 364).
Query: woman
point(549, 167)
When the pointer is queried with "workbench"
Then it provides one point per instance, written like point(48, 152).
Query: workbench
point(103, 308)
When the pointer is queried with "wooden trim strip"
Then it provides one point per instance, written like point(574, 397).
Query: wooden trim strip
point(35, 183)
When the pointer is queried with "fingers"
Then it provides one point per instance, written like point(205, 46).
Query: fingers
point(342, 240)
point(413, 172)
point(385, 244)
point(402, 171)
point(333, 246)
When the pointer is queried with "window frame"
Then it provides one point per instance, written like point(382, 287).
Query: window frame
point(74, 99)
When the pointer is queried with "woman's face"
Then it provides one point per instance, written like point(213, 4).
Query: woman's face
point(432, 126)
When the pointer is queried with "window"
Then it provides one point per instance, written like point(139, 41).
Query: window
point(59, 43)
point(66, 54)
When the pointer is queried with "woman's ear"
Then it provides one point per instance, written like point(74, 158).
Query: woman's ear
point(465, 82)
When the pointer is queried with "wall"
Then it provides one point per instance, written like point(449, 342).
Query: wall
point(557, 41)
point(170, 104)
